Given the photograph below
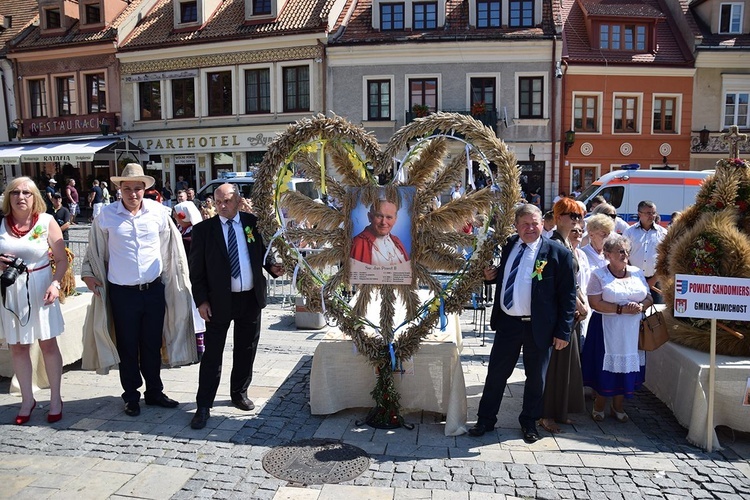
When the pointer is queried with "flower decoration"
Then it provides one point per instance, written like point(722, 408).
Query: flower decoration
point(538, 269)
point(706, 256)
point(478, 108)
point(249, 234)
point(36, 233)
point(420, 110)
point(181, 215)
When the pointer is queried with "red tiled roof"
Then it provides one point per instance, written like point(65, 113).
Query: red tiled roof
point(359, 28)
point(23, 12)
point(671, 49)
point(74, 35)
point(619, 8)
point(227, 23)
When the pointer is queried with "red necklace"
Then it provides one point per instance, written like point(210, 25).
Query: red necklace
point(18, 233)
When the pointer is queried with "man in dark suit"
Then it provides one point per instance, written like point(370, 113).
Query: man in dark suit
point(534, 306)
point(226, 270)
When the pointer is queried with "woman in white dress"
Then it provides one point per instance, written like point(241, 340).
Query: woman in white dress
point(30, 309)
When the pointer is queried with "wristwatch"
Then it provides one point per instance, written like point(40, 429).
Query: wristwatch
point(56, 284)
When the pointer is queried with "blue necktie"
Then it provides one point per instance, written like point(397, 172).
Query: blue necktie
point(234, 254)
point(508, 295)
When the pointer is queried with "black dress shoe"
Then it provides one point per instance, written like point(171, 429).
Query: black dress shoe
point(243, 403)
point(161, 400)
point(479, 429)
point(200, 418)
point(132, 409)
point(530, 435)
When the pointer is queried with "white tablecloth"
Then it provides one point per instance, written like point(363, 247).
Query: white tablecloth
point(678, 376)
point(342, 378)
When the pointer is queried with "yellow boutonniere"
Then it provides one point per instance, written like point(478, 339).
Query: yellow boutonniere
point(538, 268)
point(249, 234)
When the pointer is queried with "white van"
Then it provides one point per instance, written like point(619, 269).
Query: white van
point(670, 190)
point(246, 180)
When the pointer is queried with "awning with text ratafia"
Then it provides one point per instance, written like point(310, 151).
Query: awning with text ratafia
point(70, 152)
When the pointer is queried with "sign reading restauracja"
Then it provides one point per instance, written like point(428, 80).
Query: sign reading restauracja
point(206, 143)
point(711, 297)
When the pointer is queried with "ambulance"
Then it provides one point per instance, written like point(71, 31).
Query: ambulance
point(670, 190)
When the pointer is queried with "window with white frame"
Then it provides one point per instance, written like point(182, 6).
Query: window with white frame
point(183, 97)
point(296, 83)
point(530, 97)
point(379, 99)
point(219, 88)
point(665, 114)
point(730, 18)
point(737, 109)
point(586, 113)
point(38, 98)
point(96, 93)
point(424, 15)
point(66, 95)
point(483, 91)
point(423, 92)
point(188, 12)
point(625, 114)
point(257, 91)
point(489, 13)
point(391, 16)
point(521, 13)
point(149, 100)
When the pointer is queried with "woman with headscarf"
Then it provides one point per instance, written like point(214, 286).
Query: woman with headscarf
point(187, 214)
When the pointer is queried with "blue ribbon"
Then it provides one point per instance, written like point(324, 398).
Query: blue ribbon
point(393, 356)
point(474, 300)
point(443, 318)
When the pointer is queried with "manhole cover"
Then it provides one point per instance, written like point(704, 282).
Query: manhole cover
point(316, 461)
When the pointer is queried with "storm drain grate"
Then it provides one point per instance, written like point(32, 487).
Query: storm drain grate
point(316, 461)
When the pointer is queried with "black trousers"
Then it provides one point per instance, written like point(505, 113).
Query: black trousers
point(139, 321)
point(513, 334)
point(246, 315)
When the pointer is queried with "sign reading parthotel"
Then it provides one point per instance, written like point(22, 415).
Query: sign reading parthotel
point(711, 297)
point(206, 143)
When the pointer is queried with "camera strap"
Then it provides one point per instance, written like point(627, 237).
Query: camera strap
point(28, 301)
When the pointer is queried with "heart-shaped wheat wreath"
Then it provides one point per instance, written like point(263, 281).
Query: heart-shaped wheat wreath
point(430, 154)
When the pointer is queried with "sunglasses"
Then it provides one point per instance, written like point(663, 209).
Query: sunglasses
point(611, 216)
point(574, 215)
point(24, 194)
point(577, 231)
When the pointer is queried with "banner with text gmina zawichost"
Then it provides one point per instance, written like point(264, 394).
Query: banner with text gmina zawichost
point(711, 297)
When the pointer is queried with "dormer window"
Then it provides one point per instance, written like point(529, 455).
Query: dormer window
point(188, 12)
point(488, 13)
point(730, 21)
point(261, 7)
point(92, 13)
point(52, 18)
point(391, 16)
point(424, 15)
point(626, 37)
point(521, 13)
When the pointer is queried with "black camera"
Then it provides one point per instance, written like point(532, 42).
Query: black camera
point(15, 267)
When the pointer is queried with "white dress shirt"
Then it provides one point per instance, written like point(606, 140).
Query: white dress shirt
point(245, 282)
point(643, 245)
point(522, 285)
point(135, 241)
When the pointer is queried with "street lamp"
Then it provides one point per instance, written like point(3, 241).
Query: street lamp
point(570, 139)
point(704, 136)
point(532, 156)
point(104, 126)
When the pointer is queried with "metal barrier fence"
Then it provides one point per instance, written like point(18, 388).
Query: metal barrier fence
point(78, 247)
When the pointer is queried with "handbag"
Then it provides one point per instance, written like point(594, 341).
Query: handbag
point(653, 333)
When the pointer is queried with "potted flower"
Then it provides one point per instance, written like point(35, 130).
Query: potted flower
point(420, 110)
point(478, 108)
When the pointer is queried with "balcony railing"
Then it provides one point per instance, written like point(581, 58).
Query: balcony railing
point(488, 118)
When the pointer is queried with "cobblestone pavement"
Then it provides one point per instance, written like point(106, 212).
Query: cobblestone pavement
point(97, 451)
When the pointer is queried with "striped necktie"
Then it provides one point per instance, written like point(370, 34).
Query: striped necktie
point(234, 254)
point(508, 295)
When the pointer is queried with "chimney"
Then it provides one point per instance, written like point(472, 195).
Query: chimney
point(7, 22)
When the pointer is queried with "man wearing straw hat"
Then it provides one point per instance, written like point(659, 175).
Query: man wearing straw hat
point(137, 268)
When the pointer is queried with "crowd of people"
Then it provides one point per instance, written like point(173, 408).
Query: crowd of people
point(570, 290)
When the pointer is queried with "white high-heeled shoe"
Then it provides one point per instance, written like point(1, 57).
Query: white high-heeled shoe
point(620, 416)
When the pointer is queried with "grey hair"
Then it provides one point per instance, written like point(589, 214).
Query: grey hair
point(599, 222)
point(616, 241)
point(604, 208)
point(528, 209)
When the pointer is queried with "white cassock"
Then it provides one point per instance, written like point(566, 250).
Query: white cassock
point(386, 253)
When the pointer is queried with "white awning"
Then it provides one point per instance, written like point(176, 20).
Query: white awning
point(69, 152)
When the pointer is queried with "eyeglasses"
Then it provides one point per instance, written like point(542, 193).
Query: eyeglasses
point(648, 213)
point(22, 194)
point(574, 215)
point(620, 251)
point(577, 231)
